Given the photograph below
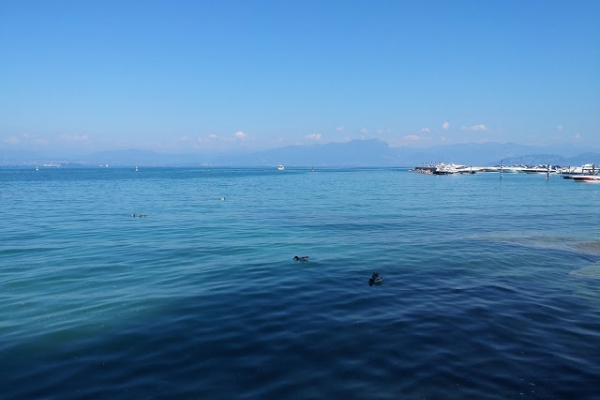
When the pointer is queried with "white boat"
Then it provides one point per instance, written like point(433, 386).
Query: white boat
point(585, 169)
point(489, 169)
point(280, 167)
point(463, 169)
point(447, 169)
point(587, 178)
point(513, 169)
point(539, 169)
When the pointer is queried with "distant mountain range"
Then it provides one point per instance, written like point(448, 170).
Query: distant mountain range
point(356, 153)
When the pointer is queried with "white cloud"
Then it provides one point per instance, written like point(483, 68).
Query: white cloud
point(475, 128)
point(339, 128)
point(425, 130)
point(559, 128)
point(73, 137)
point(578, 136)
point(364, 131)
point(213, 136)
point(12, 140)
point(445, 125)
point(184, 138)
point(411, 140)
point(240, 135)
point(313, 136)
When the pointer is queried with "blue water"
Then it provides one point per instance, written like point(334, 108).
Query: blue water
point(491, 286)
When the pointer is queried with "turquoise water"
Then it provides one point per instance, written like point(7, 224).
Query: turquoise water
point(491, 287)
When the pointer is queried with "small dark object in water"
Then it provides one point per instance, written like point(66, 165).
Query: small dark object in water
point(375, 279)
point(302, 258)
point(142, 215)
point(132, 215)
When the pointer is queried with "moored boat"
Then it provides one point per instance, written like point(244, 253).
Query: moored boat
point(540, 169)
point(513, 169)
point(585, 169)
point(587, 178)
point(447, 169)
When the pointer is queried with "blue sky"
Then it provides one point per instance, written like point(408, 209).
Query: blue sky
point(198, 76)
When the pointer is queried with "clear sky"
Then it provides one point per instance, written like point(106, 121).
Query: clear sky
point(197, 76)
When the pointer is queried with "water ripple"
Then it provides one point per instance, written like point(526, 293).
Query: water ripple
point(202, 298)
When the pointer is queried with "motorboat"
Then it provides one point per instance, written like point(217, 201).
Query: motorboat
point(585, 169)
point(463, 169)
point(513, 169)
point(489, 169)
point(280, 167)
point(587, 178)
point(540, 169)
point(447, 169)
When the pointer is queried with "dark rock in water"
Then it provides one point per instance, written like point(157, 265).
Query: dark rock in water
point(301, 258)
point(593, 247)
